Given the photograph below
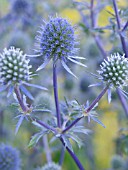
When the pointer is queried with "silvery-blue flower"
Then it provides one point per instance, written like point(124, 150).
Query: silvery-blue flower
point(114, 73)
point(114, 70)
point(15, 71)
point(9, 158)
point(50, 166)
point(57, 41)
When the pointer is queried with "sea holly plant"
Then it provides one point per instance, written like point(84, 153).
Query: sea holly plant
point(57, 42)
point(114, 71)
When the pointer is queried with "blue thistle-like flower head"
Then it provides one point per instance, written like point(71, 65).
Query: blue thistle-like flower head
point(14, 66)
point(114, 73)
point(15, 70)
point(9, 158)
point(50, 166)
point(57, 41)
point(114, 70)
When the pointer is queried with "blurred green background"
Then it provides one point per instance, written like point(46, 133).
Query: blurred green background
point(18, 28)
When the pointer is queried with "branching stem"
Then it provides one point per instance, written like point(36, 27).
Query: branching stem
point(88, 109)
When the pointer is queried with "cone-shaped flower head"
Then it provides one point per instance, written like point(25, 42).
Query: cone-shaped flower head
point(15, 71)
point(14, 67)
point(51, 166)
point(57, 40)
point(114, 70)
point(9, 158)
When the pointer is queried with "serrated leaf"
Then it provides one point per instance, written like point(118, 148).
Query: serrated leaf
point(67, 142)
point(98, 121)
point(34, 140)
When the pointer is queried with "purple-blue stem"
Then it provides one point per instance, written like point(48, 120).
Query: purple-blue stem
point(80, 166)
point(56, 95)
point(119, 28)
point(88, 109)
point(62, 154)
point(47, 149)
point(25, 109)
point(78, 163)
point(93, 25)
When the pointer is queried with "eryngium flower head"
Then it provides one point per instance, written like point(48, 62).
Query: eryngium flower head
point(114, 70)
point(51, 166)
point(9, 158)
point(57, 38)
point(14, 67)
point(57, 41)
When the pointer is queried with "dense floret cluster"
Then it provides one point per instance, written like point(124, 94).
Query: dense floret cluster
point(9, 158)
point(14, 67)
point(57, 38)
point(114, 70)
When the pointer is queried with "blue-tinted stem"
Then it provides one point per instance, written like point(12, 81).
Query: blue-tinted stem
point(119, 28)
point(25, 108)
point(78, 163)
point(88, 109)
point(62, 154)
point(56, 95)
point(93, 24)
point(47, 149)
point(20, 99)
point(92, 13)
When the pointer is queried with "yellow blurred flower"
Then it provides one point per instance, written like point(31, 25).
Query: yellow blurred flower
point(104, 16)
point(104, 139)
point(72, 14)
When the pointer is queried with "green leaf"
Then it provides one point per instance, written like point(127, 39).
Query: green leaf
point(34, 140)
